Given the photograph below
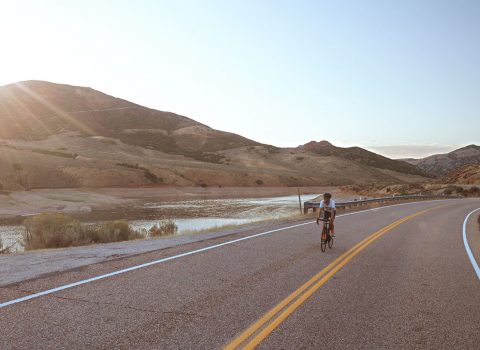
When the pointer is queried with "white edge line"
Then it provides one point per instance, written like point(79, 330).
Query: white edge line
point(136, 267)
point(467, 246)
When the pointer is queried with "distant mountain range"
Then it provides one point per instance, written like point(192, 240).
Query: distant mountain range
point(360, 155)
point(440, 164)
point(54, 135)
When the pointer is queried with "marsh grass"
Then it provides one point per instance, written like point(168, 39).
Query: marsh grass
point(164, 228)
point(56, 230)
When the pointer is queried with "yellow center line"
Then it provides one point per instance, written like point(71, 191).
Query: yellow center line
point(288, 305)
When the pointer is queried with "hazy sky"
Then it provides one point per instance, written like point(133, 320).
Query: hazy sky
point(398, 77)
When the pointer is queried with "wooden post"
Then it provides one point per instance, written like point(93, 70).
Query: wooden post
point(299, 201)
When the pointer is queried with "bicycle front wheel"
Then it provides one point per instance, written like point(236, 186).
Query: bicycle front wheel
point(323, 243)
point(330, 242)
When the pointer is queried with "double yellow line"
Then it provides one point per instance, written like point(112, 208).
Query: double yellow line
point(258, 331)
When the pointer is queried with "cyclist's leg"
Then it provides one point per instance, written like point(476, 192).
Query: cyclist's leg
point(327, 216)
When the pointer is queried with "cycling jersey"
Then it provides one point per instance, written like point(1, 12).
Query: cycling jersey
point(327, 207)
point(328, 211)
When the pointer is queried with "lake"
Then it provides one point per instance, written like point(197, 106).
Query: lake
point(197, 215)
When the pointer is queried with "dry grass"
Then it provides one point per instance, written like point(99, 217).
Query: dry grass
point(115, 231)
point(164, 228)
point(55, 230)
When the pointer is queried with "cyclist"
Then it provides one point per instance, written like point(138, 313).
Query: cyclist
point(327, 208)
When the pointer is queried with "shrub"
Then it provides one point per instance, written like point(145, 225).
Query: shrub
point(272, 149)
point(115, 231)
point(202, 184)
point(474, 191)
point(151, 176)
point(459, 189)
point(55, 153)
point(166, 227)
point(108, 142)
point(259, 182)
point(131, 166)
point(52, 230)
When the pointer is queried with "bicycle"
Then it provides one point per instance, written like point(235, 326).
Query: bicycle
point(326, 238)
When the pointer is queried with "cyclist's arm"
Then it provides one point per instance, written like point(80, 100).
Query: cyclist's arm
point(320, 212)
point(334, 211)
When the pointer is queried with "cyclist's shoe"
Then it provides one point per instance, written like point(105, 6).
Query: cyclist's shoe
point(333, 236)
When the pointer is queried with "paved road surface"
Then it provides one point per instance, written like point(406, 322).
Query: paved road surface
point(412, 286)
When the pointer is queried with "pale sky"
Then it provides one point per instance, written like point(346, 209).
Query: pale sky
point(399, 77)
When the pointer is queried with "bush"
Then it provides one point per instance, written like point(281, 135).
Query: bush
point(131, 166)
point(166, 227)
point(447, 192)
point(474, 191)
point(55, 230)
point(259, 182)
point(52, 231)
point(151, 176)
point(202, 184)
point(114, 231)
point(55, 153)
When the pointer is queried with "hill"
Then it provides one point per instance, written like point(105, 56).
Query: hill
point(54, 135)
point(468, 175)
point(360, 155)
point(35, 110)
point(440, 164)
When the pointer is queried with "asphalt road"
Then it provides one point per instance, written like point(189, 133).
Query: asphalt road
point(411, 286)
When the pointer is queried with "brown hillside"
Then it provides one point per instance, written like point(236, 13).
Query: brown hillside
point(360, 155)
point(54, 135)
point(468, 175)
point(440, 164)
point(34, 110)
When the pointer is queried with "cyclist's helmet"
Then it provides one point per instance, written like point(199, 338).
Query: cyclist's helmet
point(327, 195)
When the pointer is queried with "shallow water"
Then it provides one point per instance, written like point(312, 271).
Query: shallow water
point(11, 237)
point(195, 215)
